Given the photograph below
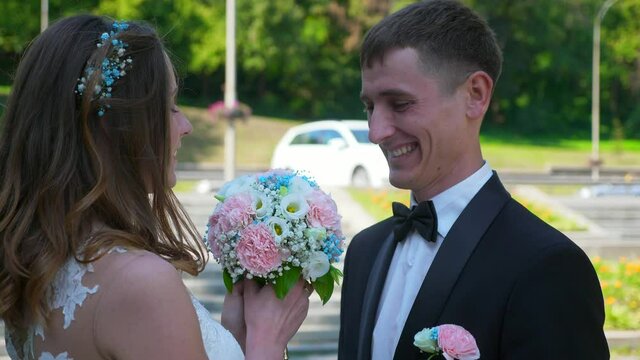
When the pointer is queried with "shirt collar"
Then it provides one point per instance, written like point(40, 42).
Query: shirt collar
point(450, 203)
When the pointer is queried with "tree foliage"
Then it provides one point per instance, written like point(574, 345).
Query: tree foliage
point(300, 57)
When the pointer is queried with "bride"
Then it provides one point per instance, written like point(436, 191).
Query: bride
point(92, 239)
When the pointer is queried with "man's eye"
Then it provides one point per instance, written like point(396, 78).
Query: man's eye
point(175, 109)
point(401, 105)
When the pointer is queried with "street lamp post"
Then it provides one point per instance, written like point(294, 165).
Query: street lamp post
point(595, 161)
point(230, 91)
point(44, 14)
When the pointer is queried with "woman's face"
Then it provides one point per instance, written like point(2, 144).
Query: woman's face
point(180, 126)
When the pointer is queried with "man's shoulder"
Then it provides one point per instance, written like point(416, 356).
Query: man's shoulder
point(533, 234)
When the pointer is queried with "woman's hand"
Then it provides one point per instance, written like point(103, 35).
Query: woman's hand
point(233, 314)
point(272, 322)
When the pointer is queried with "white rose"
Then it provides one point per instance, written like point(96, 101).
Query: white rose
point(316, 266)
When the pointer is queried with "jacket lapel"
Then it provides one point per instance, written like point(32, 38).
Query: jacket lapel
point(372, 294)
point(449, 262)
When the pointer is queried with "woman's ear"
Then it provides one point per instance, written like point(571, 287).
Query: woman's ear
point(479, 87)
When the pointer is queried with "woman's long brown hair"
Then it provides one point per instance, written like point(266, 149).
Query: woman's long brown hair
point(65, 169)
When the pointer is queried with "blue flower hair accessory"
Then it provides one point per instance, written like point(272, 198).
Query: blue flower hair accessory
point(112, 67)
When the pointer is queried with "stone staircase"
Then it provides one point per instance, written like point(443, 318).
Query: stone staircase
point(618, 222)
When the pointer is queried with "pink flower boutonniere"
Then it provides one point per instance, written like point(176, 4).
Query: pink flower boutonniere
point(452, 341)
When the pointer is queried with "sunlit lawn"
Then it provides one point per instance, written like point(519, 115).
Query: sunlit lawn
point(518, 155)
point(255, 139)
point(185, 186)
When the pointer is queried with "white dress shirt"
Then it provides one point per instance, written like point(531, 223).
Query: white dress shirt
point(411, 261)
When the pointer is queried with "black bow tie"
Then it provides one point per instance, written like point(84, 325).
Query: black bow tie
point(422, 218)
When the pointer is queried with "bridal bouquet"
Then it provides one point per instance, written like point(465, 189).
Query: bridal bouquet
point(275, 227)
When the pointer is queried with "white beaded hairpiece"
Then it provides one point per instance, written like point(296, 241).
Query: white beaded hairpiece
point(112, 68)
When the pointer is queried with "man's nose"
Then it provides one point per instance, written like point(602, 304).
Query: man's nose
point(380, 126)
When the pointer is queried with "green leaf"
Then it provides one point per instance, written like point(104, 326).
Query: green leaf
point(336, 274)
point(285, 282)
point(324, 286)
point(219, 197)
point(228, 281)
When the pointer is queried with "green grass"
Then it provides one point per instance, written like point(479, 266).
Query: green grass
point(378, 204)
point(523, 155)
point(184, 186)
point(255, 139)
point(626, 351)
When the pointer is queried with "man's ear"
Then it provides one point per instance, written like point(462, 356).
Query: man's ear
point(479, 87)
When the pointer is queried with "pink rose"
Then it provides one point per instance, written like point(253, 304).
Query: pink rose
point(236, 212)
point(257, 250)
point(323, 211)
point(457, 343)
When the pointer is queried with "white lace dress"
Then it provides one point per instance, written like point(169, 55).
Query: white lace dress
point(67, 292)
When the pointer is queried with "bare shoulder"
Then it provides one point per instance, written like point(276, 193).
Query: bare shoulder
point(142, 265)
point(147, 297)
point(141, 280)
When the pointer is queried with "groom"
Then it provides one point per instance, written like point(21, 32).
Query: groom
point(469, 254)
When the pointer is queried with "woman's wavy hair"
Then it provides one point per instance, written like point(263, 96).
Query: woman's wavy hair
point(65, 168)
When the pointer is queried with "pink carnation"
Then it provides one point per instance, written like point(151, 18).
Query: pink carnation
point(236, 212)
point(257, 250)
point(212, 234)
point(457, 343)
point(323, 211)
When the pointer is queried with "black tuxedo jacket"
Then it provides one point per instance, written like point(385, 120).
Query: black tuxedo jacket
point(520, 287)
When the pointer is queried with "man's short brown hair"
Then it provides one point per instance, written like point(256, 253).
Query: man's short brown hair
point(451, 40)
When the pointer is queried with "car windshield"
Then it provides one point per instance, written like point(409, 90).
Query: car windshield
point(361, 135)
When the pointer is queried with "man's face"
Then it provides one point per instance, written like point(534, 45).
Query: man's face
point(422, 131)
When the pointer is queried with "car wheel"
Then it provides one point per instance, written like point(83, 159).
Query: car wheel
point(360, 178)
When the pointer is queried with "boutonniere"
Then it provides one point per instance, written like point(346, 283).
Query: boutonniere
point(451, 341)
